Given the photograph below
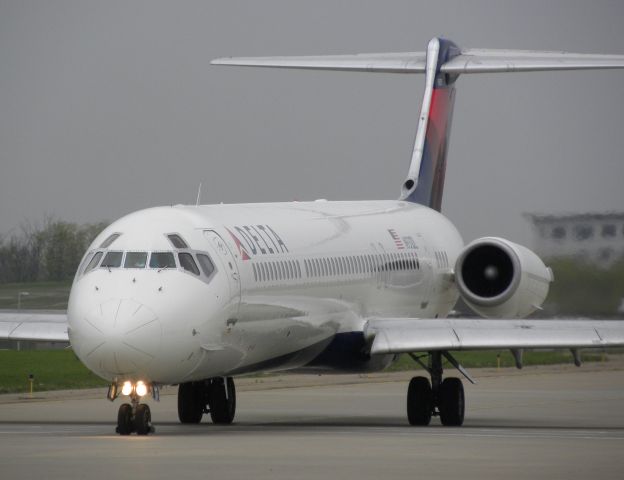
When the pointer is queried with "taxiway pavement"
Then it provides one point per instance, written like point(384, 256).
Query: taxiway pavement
point(553, 422)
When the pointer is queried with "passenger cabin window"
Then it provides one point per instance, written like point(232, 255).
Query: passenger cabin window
point(112, 260)
point(188, 263)
point(206, 264)
point(177, 241)
point(162, 260)
point(94, 262)
point(107, 243)
point(135, 260)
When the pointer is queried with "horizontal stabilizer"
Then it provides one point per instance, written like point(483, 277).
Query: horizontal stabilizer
point(500, 61)
point(468, 61)
point(410, 62)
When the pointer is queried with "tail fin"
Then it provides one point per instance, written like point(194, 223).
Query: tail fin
point(442, 63)
point(425, 179)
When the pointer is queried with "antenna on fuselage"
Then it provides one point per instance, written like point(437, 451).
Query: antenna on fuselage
point(198, 195)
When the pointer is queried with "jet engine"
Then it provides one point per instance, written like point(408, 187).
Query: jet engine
point(498, 278)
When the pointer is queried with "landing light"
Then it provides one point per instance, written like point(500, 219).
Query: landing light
point(127, 388)
point(141, 389)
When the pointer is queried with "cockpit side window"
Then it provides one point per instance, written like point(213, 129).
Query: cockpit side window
point(112, 260)
point(86, 260)
point(177, 241)
point(162, 260)
point(94, 262)
point(188, 263)
point(135, 260)
point(206, 264)
point(107, 243)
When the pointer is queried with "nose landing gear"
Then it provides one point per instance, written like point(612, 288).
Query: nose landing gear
point(134, 416)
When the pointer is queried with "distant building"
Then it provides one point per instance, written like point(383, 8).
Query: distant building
point(594, 237)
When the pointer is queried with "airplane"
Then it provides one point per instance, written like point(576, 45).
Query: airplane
point(195, 295)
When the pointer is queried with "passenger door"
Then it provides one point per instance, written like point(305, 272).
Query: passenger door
point(226, 263)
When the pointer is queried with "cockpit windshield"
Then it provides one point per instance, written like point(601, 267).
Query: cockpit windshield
point(112, 260)
point(135, 260)
point(192, 262)
point(162, 260)
point(187, 263)
point(206, 264)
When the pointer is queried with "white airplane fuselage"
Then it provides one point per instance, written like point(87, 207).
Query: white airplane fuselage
point(293, 285)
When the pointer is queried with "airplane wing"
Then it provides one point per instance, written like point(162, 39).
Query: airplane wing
point(406, 335)
point(34, 327)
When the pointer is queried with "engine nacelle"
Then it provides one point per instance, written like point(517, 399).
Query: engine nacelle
point(498, 278)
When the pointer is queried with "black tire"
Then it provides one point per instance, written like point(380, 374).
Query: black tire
point(190, 402)
point(143, 420)
point(419, 401)
point(124, 419)
point(452, 403)
point(222, 404)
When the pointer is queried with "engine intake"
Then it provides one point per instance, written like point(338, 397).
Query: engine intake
point(498, 278)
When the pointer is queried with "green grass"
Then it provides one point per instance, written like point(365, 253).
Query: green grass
point(60, 369)
point(41, 295)
point(52, 370)
point(489, 358)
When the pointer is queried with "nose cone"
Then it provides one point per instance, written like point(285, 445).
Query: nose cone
point(120, 337)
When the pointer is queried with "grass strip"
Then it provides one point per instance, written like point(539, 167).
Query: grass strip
point(61, 369)
point(52, 370)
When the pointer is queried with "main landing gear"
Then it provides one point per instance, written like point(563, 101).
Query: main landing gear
point(443, 397)
point(133, 416)
point(216, 396)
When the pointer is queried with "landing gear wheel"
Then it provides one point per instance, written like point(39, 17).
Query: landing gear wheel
point(124, 419)
point(143, 419)
point(419, 401)
point(452, 402)
point(190, 402)
point(222, 400)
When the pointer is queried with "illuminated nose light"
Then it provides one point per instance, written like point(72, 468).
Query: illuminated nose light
point(141, 389)
point(127, 388)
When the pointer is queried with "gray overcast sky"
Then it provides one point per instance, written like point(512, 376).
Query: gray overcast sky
point(109, 107)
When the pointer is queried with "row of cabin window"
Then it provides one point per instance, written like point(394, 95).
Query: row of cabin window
point(278, 270)
point(361, 264)
point(159, 260)
point(322, 267)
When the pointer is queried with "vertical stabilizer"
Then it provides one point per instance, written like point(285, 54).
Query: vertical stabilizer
point(425, 180)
